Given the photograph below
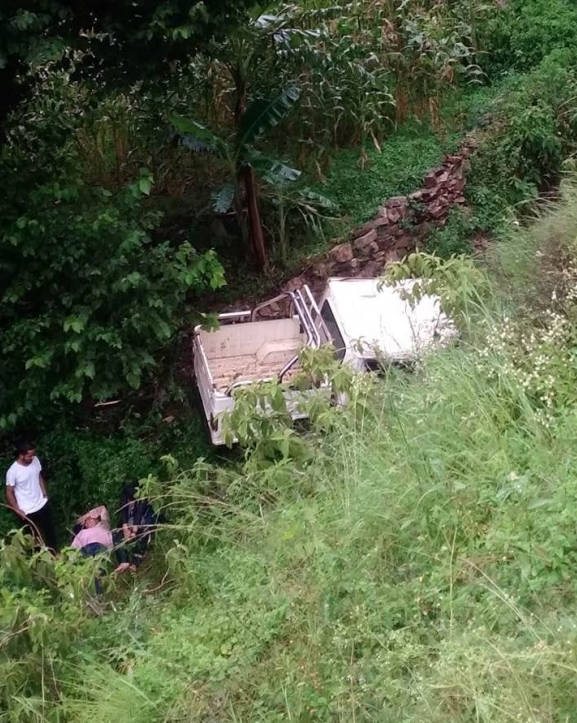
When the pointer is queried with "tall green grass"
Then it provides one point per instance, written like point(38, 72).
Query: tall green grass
point(421, 569)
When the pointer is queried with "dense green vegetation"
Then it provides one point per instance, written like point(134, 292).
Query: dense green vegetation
point(411, 558)
point(420, 566)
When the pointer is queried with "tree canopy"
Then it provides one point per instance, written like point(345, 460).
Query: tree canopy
point(132, 40)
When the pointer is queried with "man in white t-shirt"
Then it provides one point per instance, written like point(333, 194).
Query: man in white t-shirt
point(26, 494)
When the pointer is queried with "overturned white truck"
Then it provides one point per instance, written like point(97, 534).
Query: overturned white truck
point(367, 324)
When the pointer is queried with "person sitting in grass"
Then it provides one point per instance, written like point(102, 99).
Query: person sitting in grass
point(94, 536)
point(138, 522)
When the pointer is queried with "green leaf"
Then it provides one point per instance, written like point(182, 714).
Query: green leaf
point(133, 379)
point(318, 199)
point(223, 198)
point(74, 323)
point(37, 361)
point(162, 329)
point(539, 502)
point(285, 444)
point(72, 346)
point(86, 369)
point(198, 138)
point(263, 115)
point(145, 184)
point(273, 171)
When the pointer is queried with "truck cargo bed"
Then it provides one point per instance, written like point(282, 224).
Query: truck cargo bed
point(251, 352)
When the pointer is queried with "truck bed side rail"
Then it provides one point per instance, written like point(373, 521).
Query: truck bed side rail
point(307, 309)
point(199, 349)
point(270, 302)
point(315, 314)
point(230, 317)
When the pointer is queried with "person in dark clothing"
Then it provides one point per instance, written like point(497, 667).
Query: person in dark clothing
point(27, 495)
point(138, 523)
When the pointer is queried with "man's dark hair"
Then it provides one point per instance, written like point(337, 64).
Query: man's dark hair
point(128, 493)
point(23, 446)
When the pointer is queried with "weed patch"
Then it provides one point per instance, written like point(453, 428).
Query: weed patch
point(398, 169)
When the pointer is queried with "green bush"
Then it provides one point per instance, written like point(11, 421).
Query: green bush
point(90, 294)
point(85, 316)
point(525, 32)
point(530, 132)
point(454, 238)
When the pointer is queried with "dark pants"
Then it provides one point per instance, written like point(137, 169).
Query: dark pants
point(92, 550)
point(123, 552)
point(43, 525)
point(146, 522)
point(132, 550)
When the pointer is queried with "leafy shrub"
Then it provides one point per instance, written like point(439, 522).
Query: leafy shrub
point(536, 348)
point(87, 297)
point(525, 32)
point(531, 131)
point(454, 237)
point(91, 291)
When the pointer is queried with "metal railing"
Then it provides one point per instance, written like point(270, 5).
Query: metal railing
point(303, 299)
point(318, 320)
point(233, 315)
point(270, 302)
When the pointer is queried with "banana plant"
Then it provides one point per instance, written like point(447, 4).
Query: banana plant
point(244, 160)
point(255, 51)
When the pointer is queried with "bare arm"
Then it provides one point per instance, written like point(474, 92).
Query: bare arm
point(127, 531)
point(101, 512)
point(11, 500)
point(104, 518)
point(43, 485)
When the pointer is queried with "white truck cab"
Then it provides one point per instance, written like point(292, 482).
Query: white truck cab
point(367, 325)
point(370, 323)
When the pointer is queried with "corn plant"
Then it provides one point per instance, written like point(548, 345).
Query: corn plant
point(365, 66)
point(361, 66)
point(346, 89)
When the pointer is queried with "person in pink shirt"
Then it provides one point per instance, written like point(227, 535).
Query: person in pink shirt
point(95, 535)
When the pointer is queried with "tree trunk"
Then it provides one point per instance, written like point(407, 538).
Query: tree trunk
point(256, 232)
point(246, 173)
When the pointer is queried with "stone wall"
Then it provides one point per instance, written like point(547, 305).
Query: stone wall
point(402, 223)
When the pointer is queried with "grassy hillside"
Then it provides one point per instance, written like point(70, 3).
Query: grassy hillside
point(419, 567)
point(521, 111)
